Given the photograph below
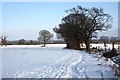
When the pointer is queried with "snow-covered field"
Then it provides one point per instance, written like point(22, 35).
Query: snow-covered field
point(52, 61)
point(0, 63)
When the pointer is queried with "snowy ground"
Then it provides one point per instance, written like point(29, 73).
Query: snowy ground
point(52, 62)
point(0, 63)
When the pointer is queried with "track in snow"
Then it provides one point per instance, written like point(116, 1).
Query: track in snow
point(76, 64)
point(66, 67)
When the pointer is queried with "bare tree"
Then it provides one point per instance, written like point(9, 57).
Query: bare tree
point(113, 40)
point(83, 24)
point(3, 40)
point(104, 39)
point(45, 37)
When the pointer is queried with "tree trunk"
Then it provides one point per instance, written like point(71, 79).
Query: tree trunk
point(105, 46)
point(67, 46)
point(44, 43)
point(78, 45)
point(2, 42)
point(73, 44)
point(87, 43)
point(113, 45)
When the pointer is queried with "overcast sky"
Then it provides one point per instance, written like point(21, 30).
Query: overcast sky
point(26, 19)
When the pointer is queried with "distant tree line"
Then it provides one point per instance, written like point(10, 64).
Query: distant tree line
point(23, 42)
point(58, 41)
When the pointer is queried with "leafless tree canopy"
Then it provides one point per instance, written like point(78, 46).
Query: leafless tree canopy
point(45, 36)
point(82, 24)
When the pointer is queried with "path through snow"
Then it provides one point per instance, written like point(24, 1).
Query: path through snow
point(66, 67)
point(74, 65)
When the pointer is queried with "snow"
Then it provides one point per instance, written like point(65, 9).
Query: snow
point(108, 46)
point(52, 61)
point(34, 46)
point(0, 63)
